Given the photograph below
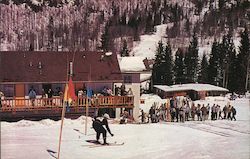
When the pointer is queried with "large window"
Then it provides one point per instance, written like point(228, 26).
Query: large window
point(8, 90)
point(127, 79)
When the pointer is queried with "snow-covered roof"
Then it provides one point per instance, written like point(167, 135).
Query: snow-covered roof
point(145, 76)
point(133, 64)
point(190, 86)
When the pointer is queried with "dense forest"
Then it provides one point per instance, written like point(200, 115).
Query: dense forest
point(222, 67)
point(110, 24)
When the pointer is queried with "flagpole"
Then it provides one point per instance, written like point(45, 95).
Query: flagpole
point(63, 111)
point(87, 113)
point(60, 136)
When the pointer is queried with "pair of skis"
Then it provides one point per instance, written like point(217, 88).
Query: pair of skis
point(94, 143)
point(98, 144)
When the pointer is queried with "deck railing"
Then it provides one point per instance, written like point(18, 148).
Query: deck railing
point(16, 104)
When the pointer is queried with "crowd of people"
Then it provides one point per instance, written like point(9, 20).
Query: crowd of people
point(186, 110)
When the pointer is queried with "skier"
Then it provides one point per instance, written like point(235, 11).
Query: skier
point(98, 127)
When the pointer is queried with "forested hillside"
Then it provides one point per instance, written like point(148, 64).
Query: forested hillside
point(111, 25)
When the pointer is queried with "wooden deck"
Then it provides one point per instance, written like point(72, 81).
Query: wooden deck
point(20, 108)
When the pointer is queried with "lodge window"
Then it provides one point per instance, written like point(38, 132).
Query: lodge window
point(127, 79)
point(8, 90)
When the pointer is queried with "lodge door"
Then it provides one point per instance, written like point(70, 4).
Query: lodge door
point(19, 90)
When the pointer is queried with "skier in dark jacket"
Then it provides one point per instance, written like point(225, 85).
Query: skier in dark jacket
point(98, 127)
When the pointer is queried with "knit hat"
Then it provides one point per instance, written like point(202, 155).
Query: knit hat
point(106, 116)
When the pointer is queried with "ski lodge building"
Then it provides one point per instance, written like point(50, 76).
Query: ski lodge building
point(131, 68)
point(43, 71)
point(195, 91)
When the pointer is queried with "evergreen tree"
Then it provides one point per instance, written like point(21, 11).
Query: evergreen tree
point(179, 67)
point(243, 60)
point(167, 65)
point(105, 39)
point(191, 61)
point(149, 24)
point(124, 51)
point(227, 55)
point(157, 77)
point(233, 84)
point(214, 68)
point(50, 34)
point(203, 75)
point(162, 69)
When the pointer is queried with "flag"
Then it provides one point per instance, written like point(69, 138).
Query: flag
point(69, 94)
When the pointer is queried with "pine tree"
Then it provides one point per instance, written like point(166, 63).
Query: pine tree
point(156, 75)
point(227, 53)
point(50, 33)
point(191, 61)
point(243, 60)
point(163, 66)
point(124, 52)
point(105, 39)
point(179, 67)
point(203, 75)
point(233, 84)
point(167, 65)
point(149, 27)
point(214, 68)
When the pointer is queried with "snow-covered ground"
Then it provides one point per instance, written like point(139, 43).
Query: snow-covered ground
point(191, 140)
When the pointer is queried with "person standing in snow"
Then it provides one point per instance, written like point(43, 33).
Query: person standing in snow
point(193, 111)
point(187, 111)
point(208, 110)
point(177, 109)
point(152, 114)
point(198, 112)
point(229, 112)
point(217, 109)
point(142, 116)
point(182, 113)
point(213, 114)
point(220, 117)
point(233, 110)
point(204, 112)
point(225, 111)
point(98, 127)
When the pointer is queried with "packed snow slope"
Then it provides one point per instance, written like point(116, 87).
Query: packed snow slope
point(222, 139)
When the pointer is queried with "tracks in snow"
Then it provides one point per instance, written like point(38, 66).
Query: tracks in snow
point(224, 131)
